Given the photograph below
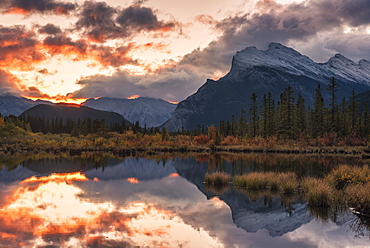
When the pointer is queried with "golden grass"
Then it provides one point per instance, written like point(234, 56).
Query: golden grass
point(217, 178)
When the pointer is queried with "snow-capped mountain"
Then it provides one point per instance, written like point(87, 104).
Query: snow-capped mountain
point(15, 105)
point(257, 71)
point(150, 111)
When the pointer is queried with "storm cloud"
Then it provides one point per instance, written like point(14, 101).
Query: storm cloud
point(101, 22)
point(169, 84)
point(36, 6)
point(310, 27)
point(50, 29)
point(18, 47)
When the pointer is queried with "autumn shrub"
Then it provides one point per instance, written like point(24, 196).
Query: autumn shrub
point(252, 181)
point(201, 139)
point(345, 175)
point(359, 197)
point(217, 178)
point(288, 183)
point(229, 141)
point(317, 192)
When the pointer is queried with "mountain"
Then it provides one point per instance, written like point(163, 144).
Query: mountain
point(150, 111)
point(73, 112)
point(257, 71)
point(362, 99)
point(15, 105)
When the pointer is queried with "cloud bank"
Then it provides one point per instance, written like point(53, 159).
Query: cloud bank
point(317, 28)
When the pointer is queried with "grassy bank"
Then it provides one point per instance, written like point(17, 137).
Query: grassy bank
point(345, 186)
point(129, 141)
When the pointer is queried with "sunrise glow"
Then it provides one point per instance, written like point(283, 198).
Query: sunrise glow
point(133, 97)
point(109, 54)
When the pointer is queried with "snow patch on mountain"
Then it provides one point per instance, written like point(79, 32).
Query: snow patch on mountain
point(258, 71)
point(150, 111)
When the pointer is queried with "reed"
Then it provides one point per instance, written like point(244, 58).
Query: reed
point(288, 183)
point(252, 181)
point(345, 175)
point(317, 192)
point(217, 178)
point(359, 198)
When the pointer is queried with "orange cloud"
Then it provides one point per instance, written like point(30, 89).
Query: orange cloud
point(132, 180)
point(133, 97)
point(205, 19)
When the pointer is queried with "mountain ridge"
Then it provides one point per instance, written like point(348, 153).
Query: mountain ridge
point(150, 111)
point(257, 71)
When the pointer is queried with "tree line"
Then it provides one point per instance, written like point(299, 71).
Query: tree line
point(291, 118)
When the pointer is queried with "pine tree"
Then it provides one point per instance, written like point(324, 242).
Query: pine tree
point(318, 113)
point(353, 114)
point(253, 115)
point(301, 114)
point(242, 127)
point(287, 115)
point(332, 118)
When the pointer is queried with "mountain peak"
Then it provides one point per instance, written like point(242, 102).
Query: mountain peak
point(339, 58)
point(274, 45)
point(260, 71)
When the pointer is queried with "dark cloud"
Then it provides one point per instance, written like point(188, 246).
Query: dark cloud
point(315, 26)
point(141, 18)
point(18, 47)
point(82, 50)
point(63, 44)
point(50, 29)
point(97, 20)
point(101, 21)
point(34, 92)
point(289, 24)
point(34, 6)
point(170, 84)
point(356, 13)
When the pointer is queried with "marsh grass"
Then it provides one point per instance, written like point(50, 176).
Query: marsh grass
point(217, 179)
point(283, 182)
point(345, 175)
point(287, 182)
point(317, 192)
point(359, 197)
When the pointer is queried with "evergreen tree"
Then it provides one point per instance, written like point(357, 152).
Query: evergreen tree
point(242, 127)
point(353, 114)
point(253, 115)
point(287, 115)
point(333, 116)
point(318, 113)
point(301, 114)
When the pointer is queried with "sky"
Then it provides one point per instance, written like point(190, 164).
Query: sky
point(71, 50)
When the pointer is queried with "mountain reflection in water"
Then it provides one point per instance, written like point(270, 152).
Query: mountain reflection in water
point(139, 202)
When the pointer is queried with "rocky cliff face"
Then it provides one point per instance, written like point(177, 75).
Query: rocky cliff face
point(257, 71)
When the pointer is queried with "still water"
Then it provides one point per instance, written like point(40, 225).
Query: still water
point(99, 200)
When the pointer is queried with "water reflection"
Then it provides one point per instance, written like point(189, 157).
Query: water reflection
point(158, 202)
point(52, 210)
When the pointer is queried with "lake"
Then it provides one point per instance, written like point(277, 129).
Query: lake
point(101, 200)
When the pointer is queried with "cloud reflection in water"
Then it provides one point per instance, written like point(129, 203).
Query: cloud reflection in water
point(54, 211)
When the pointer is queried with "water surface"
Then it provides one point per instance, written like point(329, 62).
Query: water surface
point(99, 200)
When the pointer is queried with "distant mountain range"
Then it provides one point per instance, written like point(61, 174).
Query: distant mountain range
point(257, 71)
point(73, 112)
point(14, 105)
point(252, 71)
point(150, 111)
